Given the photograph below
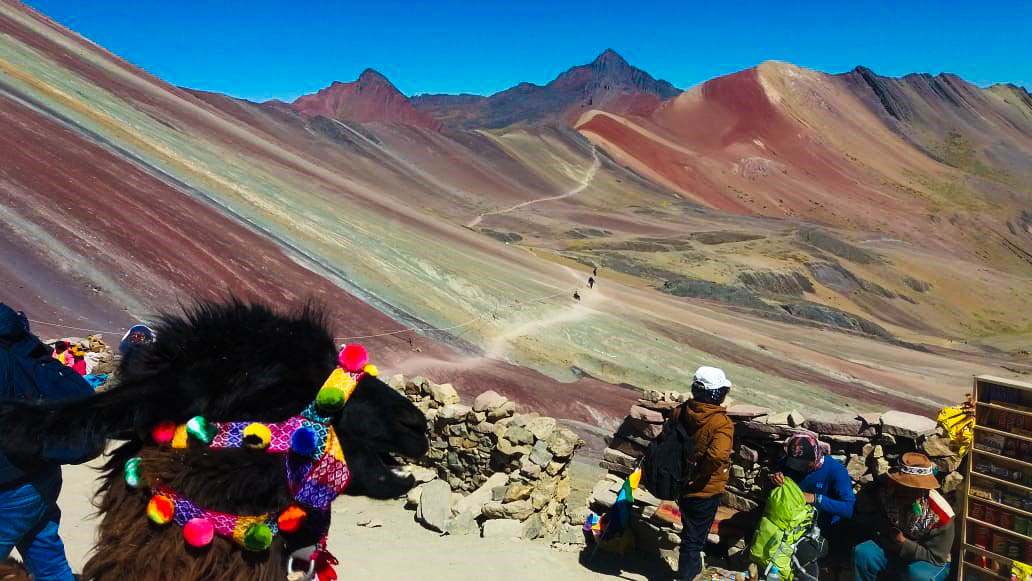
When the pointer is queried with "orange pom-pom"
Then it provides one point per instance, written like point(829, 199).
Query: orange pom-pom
point(160, 509)
point(292, 519)
point(353, 358)
point(164, 432)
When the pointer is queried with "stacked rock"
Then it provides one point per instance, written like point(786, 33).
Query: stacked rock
point(512, 468)
point(867, 444)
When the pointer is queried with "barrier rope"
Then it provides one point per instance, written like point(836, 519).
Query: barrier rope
point(479, 317)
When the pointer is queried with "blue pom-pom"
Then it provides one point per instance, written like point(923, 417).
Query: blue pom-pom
point(303, 441)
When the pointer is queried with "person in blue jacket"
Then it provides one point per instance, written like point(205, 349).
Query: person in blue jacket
point(824, 481)
point(29, 487)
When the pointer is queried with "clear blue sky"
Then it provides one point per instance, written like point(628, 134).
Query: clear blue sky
point(261, 50)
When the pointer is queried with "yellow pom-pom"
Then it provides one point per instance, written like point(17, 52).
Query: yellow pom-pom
point(257, 436)
point(371, 369)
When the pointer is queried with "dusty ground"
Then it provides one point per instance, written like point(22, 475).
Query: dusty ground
point(400, 549)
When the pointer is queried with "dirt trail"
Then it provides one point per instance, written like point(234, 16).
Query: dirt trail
point(399, 549)
point(585, 182)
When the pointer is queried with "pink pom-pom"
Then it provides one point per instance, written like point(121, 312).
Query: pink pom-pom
point(199, 532)
point(353, 358)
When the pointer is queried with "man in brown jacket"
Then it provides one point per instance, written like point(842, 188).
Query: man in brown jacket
point(712, 435)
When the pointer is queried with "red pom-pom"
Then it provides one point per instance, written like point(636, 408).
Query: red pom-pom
point(291, 519)
point(353, 358)
point(198, 532)
point(164, 432)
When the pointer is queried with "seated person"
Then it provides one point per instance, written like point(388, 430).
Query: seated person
point(825, 484)
point(912, 525)
point(823, 480)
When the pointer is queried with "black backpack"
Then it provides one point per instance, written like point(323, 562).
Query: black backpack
point(669, 463)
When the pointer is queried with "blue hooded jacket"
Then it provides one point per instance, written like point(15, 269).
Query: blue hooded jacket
point(17, 341)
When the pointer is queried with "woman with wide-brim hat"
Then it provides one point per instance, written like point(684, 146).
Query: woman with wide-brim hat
point(911, 524)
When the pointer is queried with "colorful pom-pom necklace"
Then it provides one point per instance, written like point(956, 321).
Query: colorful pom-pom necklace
point(315, 466)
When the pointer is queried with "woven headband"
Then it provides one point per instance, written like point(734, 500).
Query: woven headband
point(917, 470)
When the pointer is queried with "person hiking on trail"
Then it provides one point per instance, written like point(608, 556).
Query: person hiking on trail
point(591, 282)
point(29, 487)
point(912, 525)
point(576, 296)
point(825, 484)
point(594, 271)
point(712, 437)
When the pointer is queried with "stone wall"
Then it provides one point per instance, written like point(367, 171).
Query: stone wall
point(490, 470)
point(867, 444)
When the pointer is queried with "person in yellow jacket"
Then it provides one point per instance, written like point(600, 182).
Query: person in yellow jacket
point(712, 436)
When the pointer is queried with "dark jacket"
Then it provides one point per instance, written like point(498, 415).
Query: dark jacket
point(712, 435)
point(18, 344)
point(833, 488)
point(933, 547)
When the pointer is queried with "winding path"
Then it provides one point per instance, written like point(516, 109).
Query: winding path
point(585, 182)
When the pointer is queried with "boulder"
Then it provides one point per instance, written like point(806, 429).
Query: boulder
point(746, 412)
point(463, 523)
point(519, 435)
point(570, 535)
point(503, 411)
point(517, 491)
point(748, 455)
point(519, 509)
point(444, 394)
point(898, 423)
point(488, 400)
point(639, 428)
point(540, 455)
point(647, 415)
point(542, 428)
point(563, 443)
point(452, 413)
point(434, 505)
point(617, 457)
point(474, 503)
point(937, 447)
point(628, 447)
point(421, 473)
point(503, 528)
point(833, 424)
point(952, 481)
point(533, 527)
point(792, 418)
point(857, 467)
point(412, 497)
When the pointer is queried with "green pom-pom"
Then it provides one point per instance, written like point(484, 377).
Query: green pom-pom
point(132, 472)
point(330, 399)
point(257, 537)
point(199, 428)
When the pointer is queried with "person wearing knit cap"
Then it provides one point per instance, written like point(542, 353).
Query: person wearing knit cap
point(910, 522)
point(712, 436)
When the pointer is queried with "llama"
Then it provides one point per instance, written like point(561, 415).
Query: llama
point(236, 428)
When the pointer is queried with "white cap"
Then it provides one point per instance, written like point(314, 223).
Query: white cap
point(711, 378)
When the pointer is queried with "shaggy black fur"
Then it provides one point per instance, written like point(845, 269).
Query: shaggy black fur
point(226, 362)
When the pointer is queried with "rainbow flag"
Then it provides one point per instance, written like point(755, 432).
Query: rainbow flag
point(611, 530)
